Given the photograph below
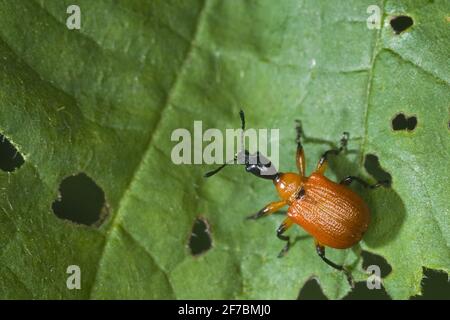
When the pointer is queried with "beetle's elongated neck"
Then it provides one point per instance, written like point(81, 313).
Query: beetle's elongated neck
point(287, 184)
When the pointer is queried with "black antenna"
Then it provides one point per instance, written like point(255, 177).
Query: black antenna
point(241, 114)
point(213, 172)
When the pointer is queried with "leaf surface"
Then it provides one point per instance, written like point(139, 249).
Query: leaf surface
point(104, 100)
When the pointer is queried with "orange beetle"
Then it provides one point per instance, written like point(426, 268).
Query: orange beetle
point(333, 214)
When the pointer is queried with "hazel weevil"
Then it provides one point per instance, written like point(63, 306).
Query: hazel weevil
point(332, 213)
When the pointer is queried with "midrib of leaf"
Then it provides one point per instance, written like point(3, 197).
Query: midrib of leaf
point(114, 223)
point(375, 54)
point(150, 255)
point(369, 86)
point(376, 51)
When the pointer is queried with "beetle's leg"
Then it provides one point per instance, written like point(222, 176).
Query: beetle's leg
point(323, 162)
point(348, 180)
point(287, 223)
point(270, 208)
point(300, 155)
point(321, 252)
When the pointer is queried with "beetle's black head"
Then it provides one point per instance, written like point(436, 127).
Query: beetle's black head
point(258, 165)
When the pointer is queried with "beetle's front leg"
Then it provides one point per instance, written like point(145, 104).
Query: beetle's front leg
point(269, 209)
point(300, 155)
point(321, 252)
point(323, 162)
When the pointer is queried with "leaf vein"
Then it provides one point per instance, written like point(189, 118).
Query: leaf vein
point(114, 221)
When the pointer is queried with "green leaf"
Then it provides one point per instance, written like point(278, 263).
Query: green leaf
point(104, 100)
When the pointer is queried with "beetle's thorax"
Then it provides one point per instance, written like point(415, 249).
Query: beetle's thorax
point(288, 185)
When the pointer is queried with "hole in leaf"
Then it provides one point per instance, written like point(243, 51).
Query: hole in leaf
point(10, 158)
point(361, 292)
point(374, 259)
point(311, 291)
point(401, 23)
point(81, 201)
point(200, 239)
point(435, 285)
point(401, 122)
point(372, 166)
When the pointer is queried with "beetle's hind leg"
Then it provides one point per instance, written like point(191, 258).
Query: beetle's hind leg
point(287, 223)
point(348, 180)
point(323, 162)
point(321, 252)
